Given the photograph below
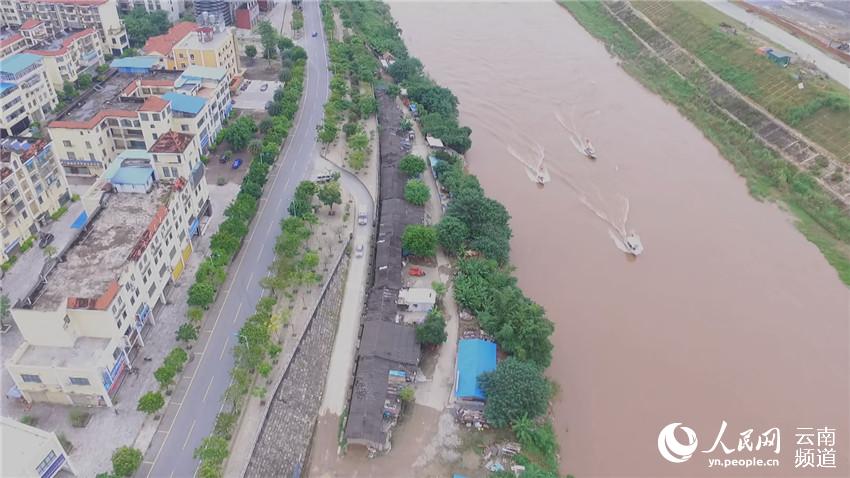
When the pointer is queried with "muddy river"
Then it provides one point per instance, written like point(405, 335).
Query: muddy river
point(729, 315)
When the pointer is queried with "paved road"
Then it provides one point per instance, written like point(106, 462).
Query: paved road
point(195, 416)
point(832, 67)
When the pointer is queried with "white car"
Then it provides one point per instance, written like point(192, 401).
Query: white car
point(358, 252)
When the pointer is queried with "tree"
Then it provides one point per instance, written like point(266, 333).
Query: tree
point(187, 332)
point(284, 44)
point(358, 141)
point(84, 81)
point(213, 449)
point(265, 125)
point(268, 38)
point(523, 428)
point(514, 390)
point(150, 403)
point(432, 331)
point(452, 234)
point(125, 461)
point(405, 68)
point(201, 294)
point(255, 146)
point(209, 470)
point(412, 165)
point(407, 394)
point(416, 192)
point(141, 25)
point(164, 375)
point(251, 52)
point(330, 194)
point(439, 289)
point(406, 125)
point(5, 309)
point(419, 240)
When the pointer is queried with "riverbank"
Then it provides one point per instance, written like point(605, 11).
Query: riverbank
point(768, 176)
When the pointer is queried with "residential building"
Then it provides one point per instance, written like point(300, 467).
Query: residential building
point(417, 299)
point(32, 187)
point(9, 13)
point(246, 14)
point(85, 322)
point(30, 452)
point(174, 8)
point(61, 15)
point(132, 111)
point(11, 43)
point(220, 8)
point(209, 43)
point(69, 56)
point(26, 95)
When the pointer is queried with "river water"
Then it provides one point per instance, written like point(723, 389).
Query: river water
point(729, 315)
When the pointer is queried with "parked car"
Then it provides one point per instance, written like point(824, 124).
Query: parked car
point(44, 239)
point(236, 163)
point(359, 251)
point(323, 178)
point(315, 34)
point(264, 87)
point(362, 218)
point(224, 158)
point(416, 272)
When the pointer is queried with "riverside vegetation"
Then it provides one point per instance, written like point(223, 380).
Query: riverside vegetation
point(480, 225)
point(768, 176)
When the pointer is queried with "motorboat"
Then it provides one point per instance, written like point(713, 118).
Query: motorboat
point(588, 149)
point(633, 244)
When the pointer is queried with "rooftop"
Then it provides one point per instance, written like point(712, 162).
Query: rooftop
point(8, 38)
point(205, 72)
point(60, 45)
point(85, 352)
point(184, 103)
point(193, 42)
point(74, 2)
point(93, 263)
point(153, 103)
point(23, 441)
point(16, 63)
point(390, 341)
point(134, 62)
point(163, 44)
point(171, 142)
point(31, 23)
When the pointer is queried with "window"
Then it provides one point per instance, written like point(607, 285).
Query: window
point(66, 143)
point(46, 462)
point(184, 127)
point(30, 378)
point(144, 116)
point(155, 116)
point(79, 381)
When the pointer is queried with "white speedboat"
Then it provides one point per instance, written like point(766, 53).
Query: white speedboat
point(633, 244)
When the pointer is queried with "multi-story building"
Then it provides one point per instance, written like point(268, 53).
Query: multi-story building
point(171, 7)
point(209, 44)
point(11, 43)
point(220, 8)
point(32, 187)
point(246, 14)
point(68, 57)
point(30, 452)
point(132, 112)
point(84, 323)
point(9, 13)
point(61, 15)
point(26, 95)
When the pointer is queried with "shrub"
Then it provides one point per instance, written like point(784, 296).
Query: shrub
point(514, 390)
point(29, 420)
point(187, 332)
point(150, 402)
point(432, 331)
point(224, 423)
point(79, 418)
point(412, 165)
point(416, 192)
point(419, 240)
point(195, 314)
point(201, 294)
point(125, 461)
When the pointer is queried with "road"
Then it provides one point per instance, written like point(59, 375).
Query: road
point(196, 412)
point(832, 67)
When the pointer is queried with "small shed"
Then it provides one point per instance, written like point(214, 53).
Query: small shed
point(781, 58)
point(474, 357)
point(417, 299)
point(135, 65)
point(434, 143)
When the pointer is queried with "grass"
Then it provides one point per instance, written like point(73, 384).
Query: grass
point(768, 176)
point(27, 245)
point(59, 213)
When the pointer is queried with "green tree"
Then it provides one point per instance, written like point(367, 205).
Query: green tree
point(330, 194)
point(452, 234)
point(416, 192)
point(523, 428)
point(405, 68)
point(251, 52)
point(141, 25)
point(164, 375)
point(213, 449)
point(357, 159)
point(327, 132)
point(412, 165)
point(419, 240)
point(514, 390)
point(265, 125)
point(125, 461)
point(255, 146)
point(268, 38)
point(5, 309)
point(284, 44)
point(84, 81)
point(187, 332)
point(358, 141)
point(69, 90)
point(150, 403)
point(209, 470)
point(432, 331)
point(407, 394)
point(201, 294)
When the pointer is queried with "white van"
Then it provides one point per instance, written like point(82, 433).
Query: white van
point(362, 218)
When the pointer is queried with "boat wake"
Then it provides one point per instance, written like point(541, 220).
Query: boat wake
point(536, 171)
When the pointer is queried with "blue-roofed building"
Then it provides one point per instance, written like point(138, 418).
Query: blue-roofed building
point(474, 357)
point(197, 83)
point(23, 106)
point(16, 66)
point(135, 65)
point(131, 172)
point(191, 105)
point(196, 73)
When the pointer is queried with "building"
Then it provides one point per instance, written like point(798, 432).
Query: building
point(62, 15)
point(779, 57)
point(11, 43)
point(206, 43)
point(26, 95)
point(474, 357)
point(85, 321)
point(32, 187)
point(29, 452)
point(220, 8)
point(131, 111)
point(246, 14)
point(173, 8)
point(417, 299)
point(69, 56)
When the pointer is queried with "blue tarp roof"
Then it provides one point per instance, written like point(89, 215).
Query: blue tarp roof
point(81, 221)
point(17, 63)
point(134, 62)
point(474, 357)
point(184, 103)
point(132, 176)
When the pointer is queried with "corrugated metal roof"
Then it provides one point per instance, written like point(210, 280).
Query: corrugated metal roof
point(474, 357)
point(210, 72)
point(17, 63)
point(134, 62)
point(184, 103)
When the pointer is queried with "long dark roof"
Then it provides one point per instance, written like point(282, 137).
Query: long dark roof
point(390, 341)
point(366, 412)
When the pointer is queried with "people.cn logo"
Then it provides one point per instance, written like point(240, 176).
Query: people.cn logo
point(671, 448)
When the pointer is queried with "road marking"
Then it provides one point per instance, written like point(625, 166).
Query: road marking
point(187, 437)
point(236, 316)
point(221, 355)
point(250, 281)
point(211, 380)
point(171, 475)
point(260, 255)
point(269, 230)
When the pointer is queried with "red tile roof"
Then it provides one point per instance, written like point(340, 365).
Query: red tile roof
point(93, 121)
point(154, 103)
point(163, 44)
point(31, 23)
point(68, 2)
point(66, 43)
point(11, 39)
point(171, 142)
